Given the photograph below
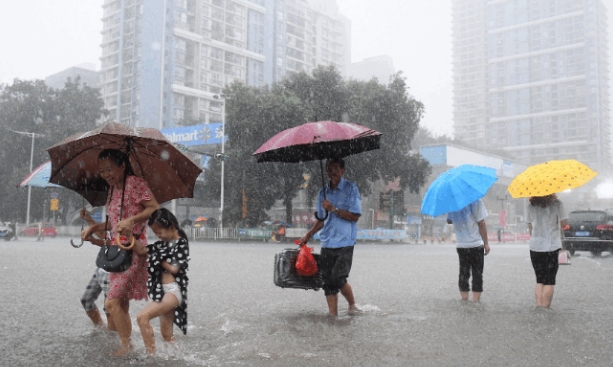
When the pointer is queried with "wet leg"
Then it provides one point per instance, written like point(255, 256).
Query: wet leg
point(166, 325)
point(538, 294)
point(547, 296)
point(151, 311)
point(116, 308)
point(332, 301)
point(96, 318)
point(347, 292)
point(109, 322)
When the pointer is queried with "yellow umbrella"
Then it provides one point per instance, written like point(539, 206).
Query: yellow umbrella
point(550, 177)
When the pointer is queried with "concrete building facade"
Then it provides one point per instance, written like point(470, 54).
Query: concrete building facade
point(531, 77)
point(165, 62)
point(380, 67)
point(86, 72)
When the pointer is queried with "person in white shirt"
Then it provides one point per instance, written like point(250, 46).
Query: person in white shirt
point(472, 245)
point(546, 217)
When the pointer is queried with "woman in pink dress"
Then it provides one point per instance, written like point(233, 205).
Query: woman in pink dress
point(138, 205)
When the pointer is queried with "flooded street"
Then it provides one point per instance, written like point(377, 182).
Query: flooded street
point(237, 316)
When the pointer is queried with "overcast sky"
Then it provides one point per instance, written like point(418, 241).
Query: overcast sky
point(42, 37)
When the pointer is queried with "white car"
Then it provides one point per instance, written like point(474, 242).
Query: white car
point(5, 231)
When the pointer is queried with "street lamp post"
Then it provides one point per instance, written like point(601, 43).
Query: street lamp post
point(32, 135)
point(223, 144)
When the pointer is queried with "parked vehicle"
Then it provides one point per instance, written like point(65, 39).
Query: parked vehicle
point(32, 230)
point(589, 230)
point(5, 231)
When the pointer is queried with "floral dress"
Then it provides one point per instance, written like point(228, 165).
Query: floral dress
point(175, 254)
point(131, 283)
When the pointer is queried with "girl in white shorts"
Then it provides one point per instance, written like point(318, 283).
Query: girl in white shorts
point(167, 282)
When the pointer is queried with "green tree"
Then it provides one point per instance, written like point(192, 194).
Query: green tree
point(254, 115)
point(32, 106)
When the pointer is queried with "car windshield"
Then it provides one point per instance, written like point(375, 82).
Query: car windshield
point(587, 216)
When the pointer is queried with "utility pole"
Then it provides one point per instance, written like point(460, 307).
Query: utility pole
point(32, 135)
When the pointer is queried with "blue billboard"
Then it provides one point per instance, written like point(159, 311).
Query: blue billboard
point(434, 154)
point(195, 135)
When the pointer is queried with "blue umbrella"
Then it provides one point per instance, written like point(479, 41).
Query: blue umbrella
point(456, 188)
point(39, 177)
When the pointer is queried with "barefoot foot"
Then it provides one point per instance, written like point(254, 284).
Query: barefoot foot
point(124, 349)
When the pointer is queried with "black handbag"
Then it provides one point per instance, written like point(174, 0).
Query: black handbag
point(112, 258)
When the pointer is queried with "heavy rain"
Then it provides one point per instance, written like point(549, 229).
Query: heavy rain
point(328, 182)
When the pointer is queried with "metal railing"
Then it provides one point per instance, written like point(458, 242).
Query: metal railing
point(212, 233)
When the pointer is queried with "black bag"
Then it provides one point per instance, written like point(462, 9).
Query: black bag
point(285, 275)
point(113, 259)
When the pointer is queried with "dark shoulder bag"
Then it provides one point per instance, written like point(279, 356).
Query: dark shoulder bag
point(112, 258)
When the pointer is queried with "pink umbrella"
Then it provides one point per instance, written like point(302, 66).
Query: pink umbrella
point(317, 141)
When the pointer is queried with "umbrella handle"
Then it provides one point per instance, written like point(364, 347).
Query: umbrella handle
point(323, 181)
point(118, 241)
point(82, 241)
point(76, 246)
point(321, 219)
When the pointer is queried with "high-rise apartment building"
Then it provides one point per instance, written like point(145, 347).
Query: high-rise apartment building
point(86, 72)
point(164, 62)
point(531, 77)
point(380, 67)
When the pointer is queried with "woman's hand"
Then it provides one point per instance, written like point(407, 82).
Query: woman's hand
point(86, 234)
point(131, 241)
point(86, 216)
point(124, 227)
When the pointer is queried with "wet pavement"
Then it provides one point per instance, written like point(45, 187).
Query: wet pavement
point(237, 316)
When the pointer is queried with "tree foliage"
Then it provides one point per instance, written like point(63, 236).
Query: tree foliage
point(32, 106)
point(254, 115)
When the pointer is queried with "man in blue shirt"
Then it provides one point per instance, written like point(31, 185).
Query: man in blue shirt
point(338, 234)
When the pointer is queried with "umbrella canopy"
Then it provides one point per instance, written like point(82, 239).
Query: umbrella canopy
point(550, 177)
point(169, 173)
point(201, 219)
point(318, 140)
point(456, 188)
point(39, 177)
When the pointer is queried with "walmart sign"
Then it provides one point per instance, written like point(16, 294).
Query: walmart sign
point(195, 135)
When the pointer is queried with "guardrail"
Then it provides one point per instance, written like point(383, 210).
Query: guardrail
point(212, 233)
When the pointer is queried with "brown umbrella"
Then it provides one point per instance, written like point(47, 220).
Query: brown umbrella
point(169, 173)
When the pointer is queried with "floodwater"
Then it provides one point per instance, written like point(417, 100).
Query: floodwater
point(238, 317)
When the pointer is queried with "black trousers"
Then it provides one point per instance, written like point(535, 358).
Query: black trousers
point(471, 261)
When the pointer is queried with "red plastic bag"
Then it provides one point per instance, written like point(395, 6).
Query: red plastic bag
point(305, 263)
